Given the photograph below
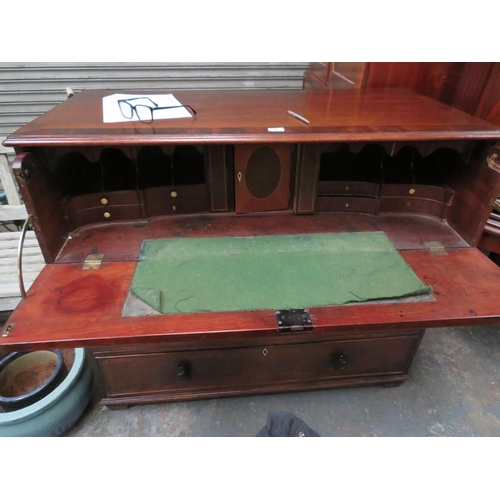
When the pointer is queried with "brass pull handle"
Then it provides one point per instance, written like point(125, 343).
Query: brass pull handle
point(338, 361)
point(20, 256)
point(184, 371)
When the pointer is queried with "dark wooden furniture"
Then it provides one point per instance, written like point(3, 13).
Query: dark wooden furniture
point(469, 86)
point(380, 160)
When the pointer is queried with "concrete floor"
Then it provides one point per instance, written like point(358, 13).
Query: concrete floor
point(454, 391)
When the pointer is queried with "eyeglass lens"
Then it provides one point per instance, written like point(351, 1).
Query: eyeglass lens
point(126, 109)
point(144, 113)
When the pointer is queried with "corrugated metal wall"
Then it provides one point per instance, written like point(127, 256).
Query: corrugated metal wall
point(29, 89)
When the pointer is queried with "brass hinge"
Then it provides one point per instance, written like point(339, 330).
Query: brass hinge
point(93, 261)
point(491, 160)
point(436, 248)
point(294, 320)
point(8, 329)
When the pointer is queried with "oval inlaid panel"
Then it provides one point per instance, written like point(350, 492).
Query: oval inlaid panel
point(263, 172)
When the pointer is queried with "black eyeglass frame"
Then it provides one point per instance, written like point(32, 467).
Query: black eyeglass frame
point(156, 108)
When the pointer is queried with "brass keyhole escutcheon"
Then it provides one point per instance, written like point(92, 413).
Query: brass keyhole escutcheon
point(264, 352)
point(240, 176)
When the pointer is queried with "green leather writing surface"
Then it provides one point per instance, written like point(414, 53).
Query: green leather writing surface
point(189, 275)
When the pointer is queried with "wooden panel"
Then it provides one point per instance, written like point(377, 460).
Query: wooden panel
point(262, 177)
point(437, 80)
point(471, 85)
point(244, 117)
point(123, 241)
point(306, 178)
point(490, 242)
point(68, 306)
point(476, 188)
point(44, 202)
point(220, 178)
point(489, 104)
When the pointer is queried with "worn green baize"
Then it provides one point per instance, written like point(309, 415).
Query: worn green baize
point(189, 275)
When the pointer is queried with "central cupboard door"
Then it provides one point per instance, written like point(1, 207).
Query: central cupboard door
point(262, 177)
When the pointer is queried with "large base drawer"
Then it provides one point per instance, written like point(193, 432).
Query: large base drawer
point(207, 372)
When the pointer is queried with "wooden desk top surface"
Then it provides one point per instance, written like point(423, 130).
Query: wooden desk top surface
point(233, 117)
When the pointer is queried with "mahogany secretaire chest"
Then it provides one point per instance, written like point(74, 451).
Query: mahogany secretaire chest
point(384, 161)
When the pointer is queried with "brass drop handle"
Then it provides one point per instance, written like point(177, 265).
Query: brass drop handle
point(20, 256)
point(184, 371)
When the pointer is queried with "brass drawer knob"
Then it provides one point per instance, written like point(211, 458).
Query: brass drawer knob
point(104, 201)
point(107, 215)
point(412, 191)
point(173, 194)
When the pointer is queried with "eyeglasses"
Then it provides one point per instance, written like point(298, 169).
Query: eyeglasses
point(144, 110)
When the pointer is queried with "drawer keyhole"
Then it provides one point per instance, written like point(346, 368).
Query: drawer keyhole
point(264, 352)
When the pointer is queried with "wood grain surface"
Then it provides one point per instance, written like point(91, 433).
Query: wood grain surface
point(68, 306)
point(244, 117)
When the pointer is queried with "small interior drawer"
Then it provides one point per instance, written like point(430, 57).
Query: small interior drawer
point(175, 199)
point(348, 188)
point(105, 199)
point(434, 193)
point(104, 214)
point(413, 205)
point(356, 204)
